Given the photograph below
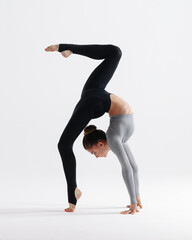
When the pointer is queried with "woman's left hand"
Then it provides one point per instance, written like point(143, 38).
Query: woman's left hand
point(132, 210)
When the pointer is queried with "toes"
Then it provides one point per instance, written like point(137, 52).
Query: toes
point(69, 210)
point(49, 48)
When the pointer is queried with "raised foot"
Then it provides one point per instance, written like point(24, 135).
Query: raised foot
point(72, 207)
point(52, 48)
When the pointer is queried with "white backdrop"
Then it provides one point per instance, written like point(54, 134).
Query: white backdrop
point(39, 90)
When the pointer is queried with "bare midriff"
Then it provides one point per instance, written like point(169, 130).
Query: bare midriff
point(119, 106)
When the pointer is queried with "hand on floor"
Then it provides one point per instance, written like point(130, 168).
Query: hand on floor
point(132, 210)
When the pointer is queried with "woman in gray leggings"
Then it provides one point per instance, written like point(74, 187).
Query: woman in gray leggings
point(120, 129)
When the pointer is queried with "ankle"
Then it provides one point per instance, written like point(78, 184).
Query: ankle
point(72, 206)
point(57, 47)
point(66, 53)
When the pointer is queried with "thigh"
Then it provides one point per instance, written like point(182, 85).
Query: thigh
point(78, 121)
point(102, 74)
point(127, 127)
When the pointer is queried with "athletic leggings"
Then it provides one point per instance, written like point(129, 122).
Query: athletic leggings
point(83, 111)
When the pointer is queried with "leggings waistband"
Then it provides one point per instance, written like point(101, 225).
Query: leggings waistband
point(121, 115)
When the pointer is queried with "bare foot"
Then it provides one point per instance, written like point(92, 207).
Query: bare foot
point(52, 48)
point(72, 207)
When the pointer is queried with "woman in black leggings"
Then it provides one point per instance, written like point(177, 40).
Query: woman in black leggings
point(95, 101)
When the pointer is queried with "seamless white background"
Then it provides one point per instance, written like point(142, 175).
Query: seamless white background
point(39, 90)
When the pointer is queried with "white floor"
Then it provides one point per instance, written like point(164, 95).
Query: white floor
point(166, 214)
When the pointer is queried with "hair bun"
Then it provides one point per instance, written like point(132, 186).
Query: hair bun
point(89, 129)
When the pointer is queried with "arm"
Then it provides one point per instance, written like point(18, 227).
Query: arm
point(117, 148)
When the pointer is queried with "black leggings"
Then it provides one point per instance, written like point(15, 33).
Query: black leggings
point(81, 116)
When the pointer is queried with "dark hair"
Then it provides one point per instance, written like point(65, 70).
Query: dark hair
point(92, 135)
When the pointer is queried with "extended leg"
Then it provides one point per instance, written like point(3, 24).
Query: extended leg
point(78, 121)
point(101, 75)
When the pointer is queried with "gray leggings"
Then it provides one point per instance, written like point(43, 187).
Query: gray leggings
point(119, 131)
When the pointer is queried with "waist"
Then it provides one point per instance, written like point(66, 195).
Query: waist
point(122, 115)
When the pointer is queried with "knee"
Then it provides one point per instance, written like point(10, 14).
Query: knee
point(116, 51)
point(59, 146)
point(63, 145)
